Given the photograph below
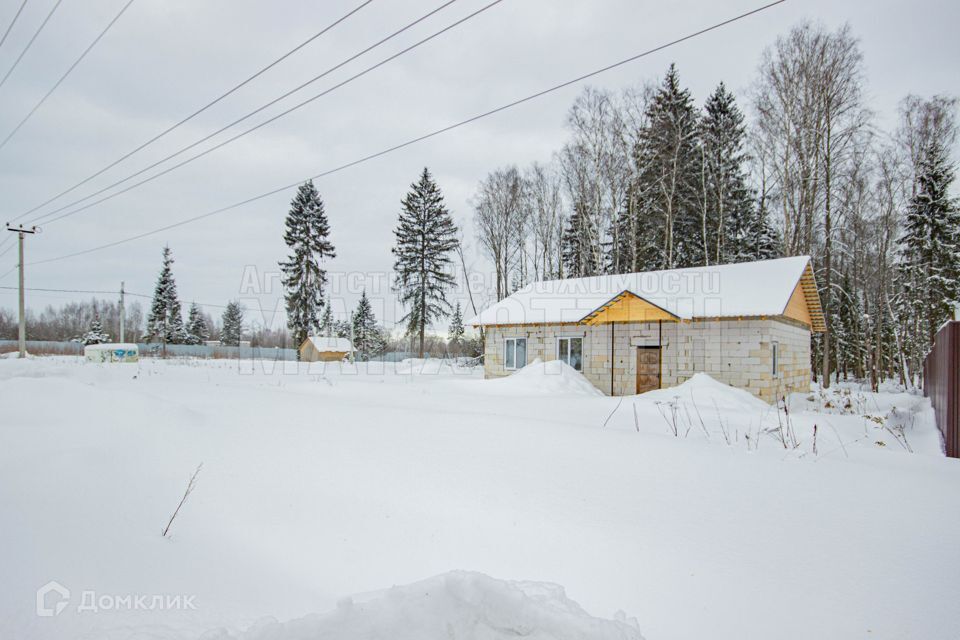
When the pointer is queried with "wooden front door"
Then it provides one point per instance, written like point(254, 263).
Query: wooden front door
point(648, 369)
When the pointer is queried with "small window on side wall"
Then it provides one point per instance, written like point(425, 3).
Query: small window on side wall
point(775, 352)
point(515, 353)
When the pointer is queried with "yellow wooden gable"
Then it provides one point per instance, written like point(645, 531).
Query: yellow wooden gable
point(804, 303)
point(627, 307)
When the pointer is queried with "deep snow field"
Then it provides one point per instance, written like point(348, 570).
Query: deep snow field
point(420, 501)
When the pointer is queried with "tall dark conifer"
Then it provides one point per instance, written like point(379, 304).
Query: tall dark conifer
point(668, 166)
point(426, 236)
point(727, 205)
point(930, 246)
point(308, 236)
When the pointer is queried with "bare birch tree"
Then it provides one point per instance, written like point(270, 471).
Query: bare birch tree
point(500, 216)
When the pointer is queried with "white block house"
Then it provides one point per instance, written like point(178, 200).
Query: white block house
point(746, 324)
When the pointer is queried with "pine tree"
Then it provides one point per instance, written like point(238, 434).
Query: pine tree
point(232, 328)
point(367, 335)
point(197, 330)
point(425, 237)
point(307, 235)
point(96, 334)
point(930, 246)
point(726, 203)
point(669, 169)
point(165, 322)
point(456, 331)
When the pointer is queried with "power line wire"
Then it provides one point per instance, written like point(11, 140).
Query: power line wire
point(47, 215)
point(102, 292)
point(200, 110)
point(13, 22)
point(66, 73)
point(61, 290)
point(432, 134)
point(30, 43)
point(201, 304)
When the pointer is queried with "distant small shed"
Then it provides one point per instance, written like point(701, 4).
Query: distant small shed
point(324, 349)
point(112, 352)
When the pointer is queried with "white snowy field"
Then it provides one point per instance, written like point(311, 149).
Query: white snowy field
point(696, 512)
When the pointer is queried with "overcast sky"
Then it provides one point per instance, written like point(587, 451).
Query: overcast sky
point(165, 58)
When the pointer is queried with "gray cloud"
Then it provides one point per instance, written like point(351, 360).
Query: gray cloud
point(165, 58)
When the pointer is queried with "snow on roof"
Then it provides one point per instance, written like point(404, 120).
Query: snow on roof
point(744, 289)
point(325, 344)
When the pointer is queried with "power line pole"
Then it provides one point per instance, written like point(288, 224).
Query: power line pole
point(122, 314)
point(22, 332)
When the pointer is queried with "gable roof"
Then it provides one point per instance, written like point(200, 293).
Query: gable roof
point(328, 344)
point(746, 289)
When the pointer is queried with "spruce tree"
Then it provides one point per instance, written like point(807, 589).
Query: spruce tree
point(669, 169)
point(425, 238)
point(95, 335)
point(197, 330)
point(307, 234)
point(930, 246)
point(577, 251)
point(766, 243)
point(726, 203)
point(326, 320)
point(232, 328)
point(165, 322)
point(342, 328)
point(456, 331)
point(367, 336)
point(752, 237)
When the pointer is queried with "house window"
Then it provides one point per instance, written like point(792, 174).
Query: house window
point(515, 353)
point(776, 358)
point(570, 350)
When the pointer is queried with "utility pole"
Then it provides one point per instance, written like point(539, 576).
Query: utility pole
point(122, 319)
point(22, 332)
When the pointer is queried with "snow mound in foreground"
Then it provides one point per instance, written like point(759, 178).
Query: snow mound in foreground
point(708, 394)
point(552, 377)
point(459, 604)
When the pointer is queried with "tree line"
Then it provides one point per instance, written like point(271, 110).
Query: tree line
point(75, 320)
point(649, 180)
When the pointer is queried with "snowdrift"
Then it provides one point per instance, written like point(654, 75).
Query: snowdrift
point(708, 393)
point(545, 378)
point(458, 604)
point(424, 366)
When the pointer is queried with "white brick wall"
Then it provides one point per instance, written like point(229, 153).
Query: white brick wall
point(738, 352)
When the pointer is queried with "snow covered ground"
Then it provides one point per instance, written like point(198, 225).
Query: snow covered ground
point(528, 506)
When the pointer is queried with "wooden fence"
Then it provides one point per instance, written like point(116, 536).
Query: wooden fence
point(941, 383)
